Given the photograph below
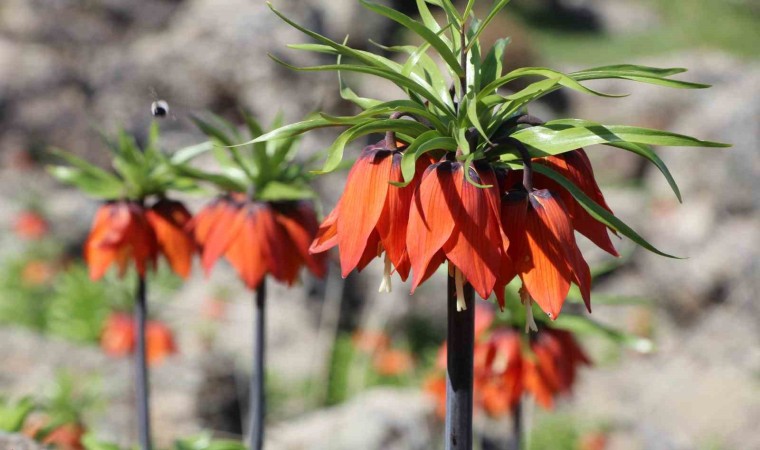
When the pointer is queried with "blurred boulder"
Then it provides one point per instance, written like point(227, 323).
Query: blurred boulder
point(18, 442)
point(378, 419)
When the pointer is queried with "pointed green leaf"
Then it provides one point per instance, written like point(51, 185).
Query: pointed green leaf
point(495, 9)
point(421, 30)
point(584, 326)
point(596, 211)
point(555, 139)
point(564, 80)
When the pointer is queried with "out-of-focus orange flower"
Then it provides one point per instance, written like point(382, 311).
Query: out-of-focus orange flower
point(259, 238)
point(125, 232)
point(508, 364)
point(159, 342)
point(118, 337)
point(371, 216)
point(36, 273)
point(593, 441)
point(370, 341)
point(31, 225)
point(214, 308)
point(65, 437)
point(169, 220)
point(392, 362)
point(120, 234)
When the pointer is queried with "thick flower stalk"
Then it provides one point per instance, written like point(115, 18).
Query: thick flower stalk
point(492, 191)
point(263, 223)
point(136, 224)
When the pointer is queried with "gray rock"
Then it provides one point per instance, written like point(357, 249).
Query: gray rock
point(378, 419)
point(18, 442)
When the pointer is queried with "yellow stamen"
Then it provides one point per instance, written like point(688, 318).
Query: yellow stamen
point(385, 285)
point(459, 282)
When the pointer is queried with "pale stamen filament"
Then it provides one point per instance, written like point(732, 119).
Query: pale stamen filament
point(385, 285)
point(527, 301)
point(459, 282)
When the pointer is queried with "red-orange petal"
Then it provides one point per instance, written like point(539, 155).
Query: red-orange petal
point(227, 223)
point(300, 224)
point(548, 280)
point(245, 252)
point(361, 204)
point(576, 167)
point(327, 234)
point(169, 220)
point(435, 205)
point(474, 244)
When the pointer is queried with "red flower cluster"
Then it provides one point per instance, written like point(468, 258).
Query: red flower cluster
point(488, 234)
point(258, 238)
point(125, 231)
point(509, 363)
point(119, 338)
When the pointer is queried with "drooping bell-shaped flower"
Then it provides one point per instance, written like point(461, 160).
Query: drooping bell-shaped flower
point(576, 167)
point(371, 216)
point(452, 219)
point(543, 249)
point(259, 238)
point(169, 220)
point(120, 234)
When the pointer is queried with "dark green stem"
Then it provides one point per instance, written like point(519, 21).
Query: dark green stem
point(517, 427)
point(459, 369)
point(142, 388)
point(257, 405)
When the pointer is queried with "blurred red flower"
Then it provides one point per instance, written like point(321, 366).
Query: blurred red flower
point(509, 364)
point(125, 232)
point(119, 338)
point(392, 362)
point(31, 225)
point(258, 238)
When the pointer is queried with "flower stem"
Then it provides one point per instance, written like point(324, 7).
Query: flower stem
point(258, 394)
point(517, 427)
point(459, 376)
point(142, 388)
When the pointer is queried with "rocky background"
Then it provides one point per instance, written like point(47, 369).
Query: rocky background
point(71, 67)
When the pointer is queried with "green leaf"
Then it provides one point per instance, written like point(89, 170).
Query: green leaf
point(642, 150)
point(335, 152)
point(426, 142)
point(497, 6)
point(13, 415)
point(186, 154)
point(596, 211)
point(293, 129)
point(399, 80)
point(584, 326)
point(468, 176)
point(277, 191)
point(636, 69)
point(223, 181)
point(564, 80)
point(365, 57)
point(93, 186)
point(492, 64)
point(559, 138)
point(421, 30)
point(472, 114)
